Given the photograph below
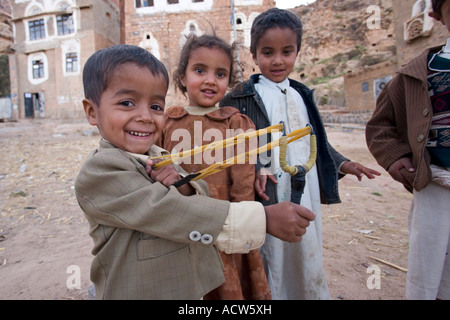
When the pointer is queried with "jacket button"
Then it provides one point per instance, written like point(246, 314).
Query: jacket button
point(206, 239)
point(420, 138)
point(426, 112)
point(195, 236)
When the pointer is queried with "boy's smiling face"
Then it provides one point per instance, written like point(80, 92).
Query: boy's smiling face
point(131, 110)
point(276, 53)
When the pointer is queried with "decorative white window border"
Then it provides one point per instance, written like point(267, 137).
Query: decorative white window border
point(419, 19)
point(150, 44)
point(33, 57)
point(187, 31)
point(248, 2)
point(183, 5)
point(34, 8)
point(245, 26)
point(68, 46)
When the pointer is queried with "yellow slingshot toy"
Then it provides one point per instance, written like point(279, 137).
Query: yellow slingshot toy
point(297, 172)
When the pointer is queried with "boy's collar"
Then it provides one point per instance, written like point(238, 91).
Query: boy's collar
point(283, 85)
point(445, 52)
point(446, 48)
point(154, 151)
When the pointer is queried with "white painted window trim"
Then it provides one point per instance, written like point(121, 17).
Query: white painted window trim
point(33, 57)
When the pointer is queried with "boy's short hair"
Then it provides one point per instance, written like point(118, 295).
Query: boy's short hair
point(275, 18)
point(437, 6)
point(100, 67)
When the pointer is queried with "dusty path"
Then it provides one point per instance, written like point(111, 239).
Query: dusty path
point(44, 242)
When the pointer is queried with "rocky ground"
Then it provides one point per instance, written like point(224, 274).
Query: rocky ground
point(45, 246)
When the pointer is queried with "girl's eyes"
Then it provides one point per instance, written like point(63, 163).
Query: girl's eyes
point(199, 70)
point(219, 74)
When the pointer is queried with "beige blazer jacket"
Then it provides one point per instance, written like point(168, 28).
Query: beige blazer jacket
point(400, 125)
point(150, 242)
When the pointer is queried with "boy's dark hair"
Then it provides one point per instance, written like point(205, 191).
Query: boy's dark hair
point(195, 42)
point(437, 6)
point(275, 18)
point(99, 68)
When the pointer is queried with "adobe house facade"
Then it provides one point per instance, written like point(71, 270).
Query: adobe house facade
point(363, 86)
point(161, 26)
point(52, 40)
point(414, 32)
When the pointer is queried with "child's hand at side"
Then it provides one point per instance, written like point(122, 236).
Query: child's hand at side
point(261, 181)
point(288, 221)
point(395, 170)
point(358, 170)
point(167, 175)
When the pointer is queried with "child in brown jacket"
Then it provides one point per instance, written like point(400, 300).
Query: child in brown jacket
point(409, 135)
point(205, 72)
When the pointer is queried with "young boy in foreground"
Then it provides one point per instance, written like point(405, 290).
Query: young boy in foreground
point(151, 240)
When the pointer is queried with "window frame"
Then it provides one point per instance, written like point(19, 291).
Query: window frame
point(64, 25)
point(35, 29)
point(143, 3)
point(73, 56)
point(40, 69)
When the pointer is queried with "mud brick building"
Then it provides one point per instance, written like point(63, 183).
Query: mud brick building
point(54, 38)
point(161, 26)
point(414, 32)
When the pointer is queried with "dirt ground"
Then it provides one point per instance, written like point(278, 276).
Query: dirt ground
point(44, 242)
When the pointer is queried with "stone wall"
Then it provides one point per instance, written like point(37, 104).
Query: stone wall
point(358, 119)
point(163, 29)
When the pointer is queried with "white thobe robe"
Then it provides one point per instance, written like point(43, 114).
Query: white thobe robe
point(294, 270)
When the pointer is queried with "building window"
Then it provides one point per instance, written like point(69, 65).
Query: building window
point(143, 3)
point(37, 29)
point(172, 1)
point(365, 86)
point(65, 24)
point(71, 62)
point(38, 69)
